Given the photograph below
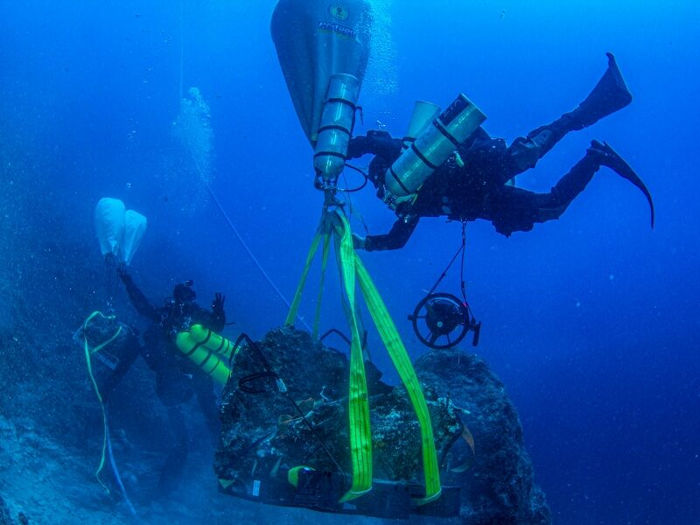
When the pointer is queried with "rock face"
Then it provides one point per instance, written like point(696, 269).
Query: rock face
point(5, 518)
point(264, 433)
point(498, 488)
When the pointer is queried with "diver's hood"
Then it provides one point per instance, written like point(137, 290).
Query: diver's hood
point(184, 293)
point(314, 40)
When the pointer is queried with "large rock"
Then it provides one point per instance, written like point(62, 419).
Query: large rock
point(498, 488)
point(263, 433)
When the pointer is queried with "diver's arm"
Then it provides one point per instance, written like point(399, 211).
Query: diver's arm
point(377, 143)
point(209, 319)
point(136, 296)
point(130, 351)
point(214, 319)
point(218, 322)
point(396, 238)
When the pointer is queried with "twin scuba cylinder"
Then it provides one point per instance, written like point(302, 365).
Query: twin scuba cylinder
point(429, 142)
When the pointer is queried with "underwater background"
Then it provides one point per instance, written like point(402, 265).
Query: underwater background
point(591, 321)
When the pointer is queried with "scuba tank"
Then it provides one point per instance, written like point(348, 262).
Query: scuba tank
point(433, 146)
point(423, 114)
point(335, 130)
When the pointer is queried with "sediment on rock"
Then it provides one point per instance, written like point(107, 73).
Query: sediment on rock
point(478, 435)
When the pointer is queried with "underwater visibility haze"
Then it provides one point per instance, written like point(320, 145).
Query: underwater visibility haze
point(180, 110)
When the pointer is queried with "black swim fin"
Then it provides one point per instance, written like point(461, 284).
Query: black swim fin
point(607, 156)
point(608, 96)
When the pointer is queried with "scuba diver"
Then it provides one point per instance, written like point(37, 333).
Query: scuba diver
point(476, 181)
point(177, 378)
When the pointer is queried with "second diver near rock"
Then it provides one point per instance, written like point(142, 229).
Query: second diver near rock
point(474, 182)
point(177, 378)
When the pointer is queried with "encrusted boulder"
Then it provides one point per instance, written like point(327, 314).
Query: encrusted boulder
point(267, 431)
point(498, 486)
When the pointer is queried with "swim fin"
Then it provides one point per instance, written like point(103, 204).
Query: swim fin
point(608, 96)
point(607, 156)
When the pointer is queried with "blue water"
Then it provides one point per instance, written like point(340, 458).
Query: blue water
point(591, 321)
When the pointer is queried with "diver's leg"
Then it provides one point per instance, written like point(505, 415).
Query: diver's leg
point(171, 473)
point(204, 388)
point(569, 187)
point(608, 96)
point(515, 209)
point(575, 181)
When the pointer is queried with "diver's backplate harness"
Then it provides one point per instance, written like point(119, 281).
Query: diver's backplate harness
point(435, 140)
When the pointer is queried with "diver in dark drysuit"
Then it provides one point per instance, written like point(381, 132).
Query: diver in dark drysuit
point(472, 183)
point(177, 378)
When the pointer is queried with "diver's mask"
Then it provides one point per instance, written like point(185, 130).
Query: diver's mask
point(184, 293)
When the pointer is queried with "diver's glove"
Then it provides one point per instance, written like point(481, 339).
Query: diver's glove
point(359, 243)
point(375, 142)
point(111, 260)
point(217, 305)
point(357, 147)
point(123, 274)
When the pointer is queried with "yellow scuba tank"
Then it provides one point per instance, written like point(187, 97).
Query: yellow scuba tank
point(208, 350)
point(212, 341)
point(433, 146)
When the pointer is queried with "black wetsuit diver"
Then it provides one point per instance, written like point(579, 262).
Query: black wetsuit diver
point(177, 378)
point(472, 184)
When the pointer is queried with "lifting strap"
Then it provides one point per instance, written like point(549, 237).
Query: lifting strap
point(106, 441)
point(352, 270)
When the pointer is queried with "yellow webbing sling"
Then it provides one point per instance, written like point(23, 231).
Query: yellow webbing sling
point(294, 309)
point(88, 361)
point(404, 367)
point(319, 297)
point(358, 402)
point(352, 270)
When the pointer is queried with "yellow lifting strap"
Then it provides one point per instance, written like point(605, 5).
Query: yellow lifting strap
point(294, 309)
point(88, 361)
point(358, 400)
point(404, 367)
point(319, 297)
point(352, 270)
point(322, 234)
